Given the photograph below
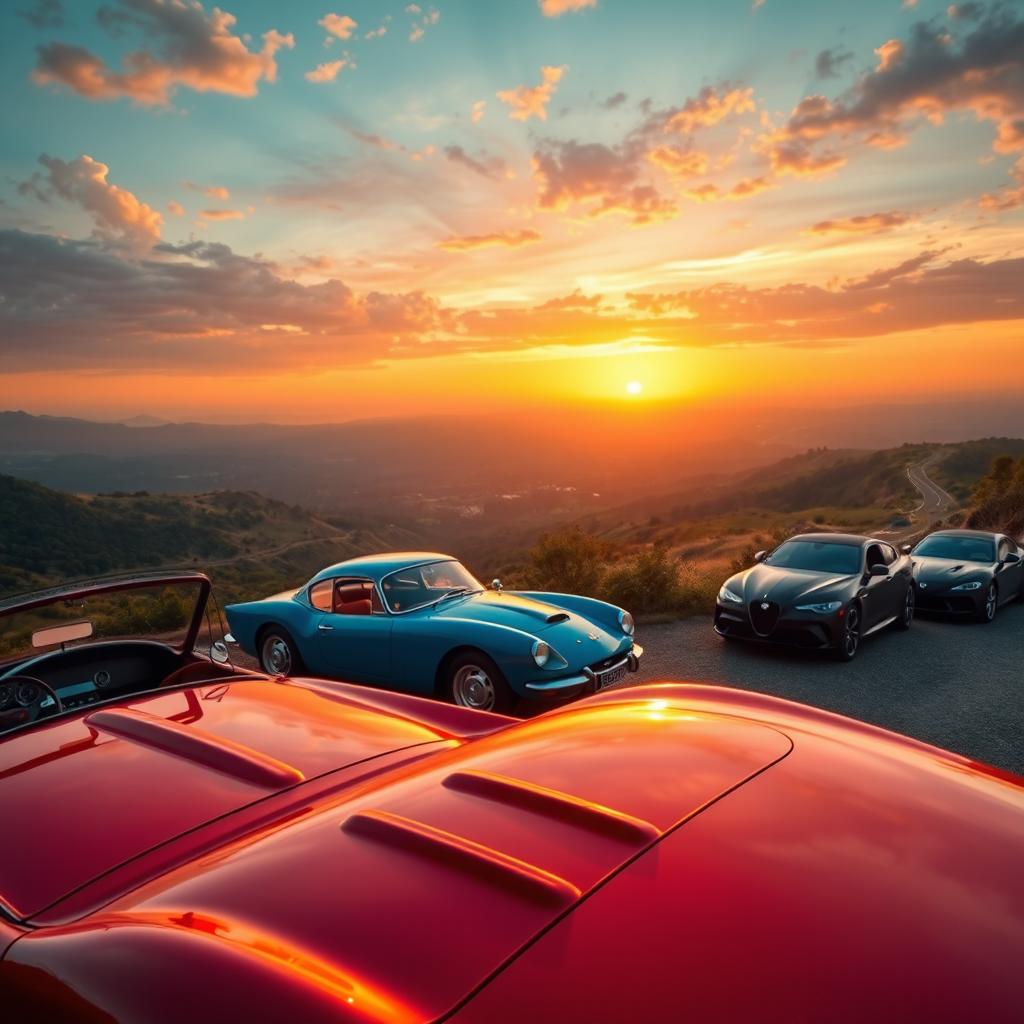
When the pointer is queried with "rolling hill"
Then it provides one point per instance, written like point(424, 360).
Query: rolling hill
point(250, 544)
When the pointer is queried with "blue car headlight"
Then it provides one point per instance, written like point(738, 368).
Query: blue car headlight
point(726, 596)
point(970, 585)
point(546, 656)
point(822, 608)
point(626, 623)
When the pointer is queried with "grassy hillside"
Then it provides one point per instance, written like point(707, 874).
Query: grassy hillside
point(249, 544)
point(965, 464)
point(998, 498)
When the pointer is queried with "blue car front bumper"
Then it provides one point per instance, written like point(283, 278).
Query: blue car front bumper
point(591, 679)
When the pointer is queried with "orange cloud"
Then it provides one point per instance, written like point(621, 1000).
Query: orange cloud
point(223, 215)
point(175, 208)
point(179, 296)
point(709, 108)
point(525, 102)
point(976, 66)
point(194, 50)
point(328, 71)
point(556, 8)
point(210, 191)
point(601, 179)
point(680, 163)
point(339, 25)
point(477, 113)
point(512, 239)
point(863, 224)
point(116, 212)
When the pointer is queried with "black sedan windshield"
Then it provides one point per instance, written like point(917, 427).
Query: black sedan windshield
point(816, 556)
point(959, 549)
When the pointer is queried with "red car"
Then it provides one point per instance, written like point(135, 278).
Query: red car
point(203, 847)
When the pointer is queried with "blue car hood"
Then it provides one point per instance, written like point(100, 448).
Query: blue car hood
point(579, 640)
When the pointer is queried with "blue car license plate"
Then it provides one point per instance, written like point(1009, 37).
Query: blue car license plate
point(611, 677)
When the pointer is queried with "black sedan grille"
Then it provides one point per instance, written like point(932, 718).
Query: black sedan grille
point(763, 616)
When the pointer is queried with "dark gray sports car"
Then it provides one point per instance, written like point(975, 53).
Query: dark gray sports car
point(824, 591)
point(968, 572)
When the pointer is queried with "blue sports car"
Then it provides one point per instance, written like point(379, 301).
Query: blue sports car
point(421, 623)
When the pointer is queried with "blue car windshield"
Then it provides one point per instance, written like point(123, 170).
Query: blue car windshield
point(960, 549)
point(420, 585)
point(816, 556)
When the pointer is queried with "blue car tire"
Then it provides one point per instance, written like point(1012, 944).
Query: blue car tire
point(278, 653)
point(474, 681)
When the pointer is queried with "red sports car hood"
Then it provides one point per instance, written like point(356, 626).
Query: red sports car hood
point(391, 902)
point(88, 793)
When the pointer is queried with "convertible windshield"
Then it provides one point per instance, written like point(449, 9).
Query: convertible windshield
point(161, 611)
point(816, 556)
point(406, 589)
point(959, 549)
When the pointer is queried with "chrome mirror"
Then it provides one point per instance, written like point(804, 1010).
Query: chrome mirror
point(219, 653)
point(496, 584)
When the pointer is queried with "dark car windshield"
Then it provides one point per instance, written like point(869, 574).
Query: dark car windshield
point(816, 556)
point(421, 585)
point(959, 549)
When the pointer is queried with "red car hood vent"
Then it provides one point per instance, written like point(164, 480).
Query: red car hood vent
point(423, 881)
point(87, 793)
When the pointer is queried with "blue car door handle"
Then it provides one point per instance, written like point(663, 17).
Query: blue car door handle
point(325, 628)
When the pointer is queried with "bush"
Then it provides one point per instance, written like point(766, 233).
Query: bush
point(567, 561)
point(647, 583)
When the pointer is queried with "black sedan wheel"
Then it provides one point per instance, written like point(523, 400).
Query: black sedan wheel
point(278, 654)
point(987, 612)
point(474, 681)
point(906, 619)
point(849, 641)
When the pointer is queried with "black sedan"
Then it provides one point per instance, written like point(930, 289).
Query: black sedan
point(824, 591)
point(968, 572)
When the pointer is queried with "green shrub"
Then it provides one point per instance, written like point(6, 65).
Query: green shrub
point(567, 561)
point(646, 583)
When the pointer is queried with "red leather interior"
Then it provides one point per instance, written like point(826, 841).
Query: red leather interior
point(353, 599)
point(362, 607)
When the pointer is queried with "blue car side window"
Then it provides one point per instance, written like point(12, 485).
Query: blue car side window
point(320, 595)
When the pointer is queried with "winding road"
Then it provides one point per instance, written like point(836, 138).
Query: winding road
point(935, 502)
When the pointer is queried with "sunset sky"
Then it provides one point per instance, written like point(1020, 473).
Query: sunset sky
point(319, 211)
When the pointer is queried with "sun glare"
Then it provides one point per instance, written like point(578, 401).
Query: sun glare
point(634, 387)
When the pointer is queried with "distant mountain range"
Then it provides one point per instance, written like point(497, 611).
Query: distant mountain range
point(253, 544)
point(389, 466)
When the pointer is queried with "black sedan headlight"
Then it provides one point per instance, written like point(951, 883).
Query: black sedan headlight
point(727, 596)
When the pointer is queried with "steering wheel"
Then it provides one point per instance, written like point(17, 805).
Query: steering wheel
point(23, 696)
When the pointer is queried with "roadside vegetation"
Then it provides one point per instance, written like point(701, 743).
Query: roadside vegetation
point(998, 498)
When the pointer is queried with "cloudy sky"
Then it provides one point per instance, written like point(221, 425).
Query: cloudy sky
point(317, 211)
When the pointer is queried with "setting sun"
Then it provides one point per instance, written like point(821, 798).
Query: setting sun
point(634, 387)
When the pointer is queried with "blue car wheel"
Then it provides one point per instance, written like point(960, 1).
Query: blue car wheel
point(278, 654)
point(474, 681)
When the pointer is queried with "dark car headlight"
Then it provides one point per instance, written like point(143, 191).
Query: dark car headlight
point(822, 607)
point(726, 596)
point(969, 585)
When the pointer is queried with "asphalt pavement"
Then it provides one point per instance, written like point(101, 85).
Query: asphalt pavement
point(956, 684)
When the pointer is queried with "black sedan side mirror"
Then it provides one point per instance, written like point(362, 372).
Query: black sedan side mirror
point(878, 570)
point(760, 556)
